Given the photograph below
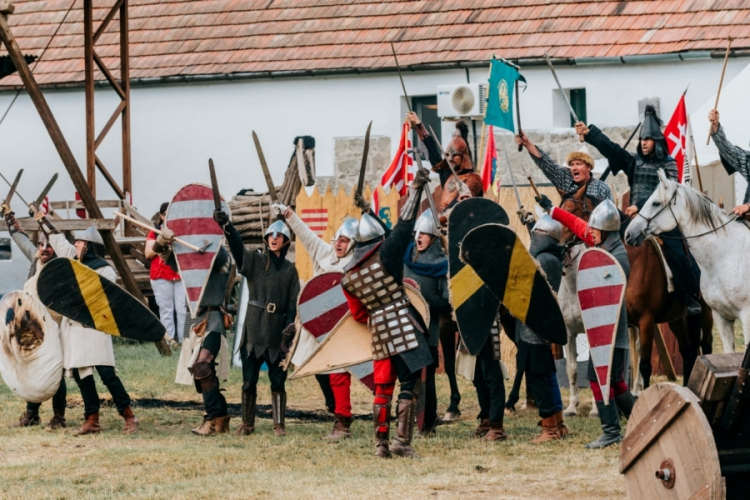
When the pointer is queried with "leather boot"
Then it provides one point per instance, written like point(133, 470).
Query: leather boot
point(28, 419)
point(207, 427)
point(278, 405)
point(90, 426)
point(406, 412)
point(625, 403)
point(496, 432)
point(550, 430)
point(610, 419)
point(482, 428)
point(341, 429)
point(563, 431)
point(381, 417)
point(221, 424)
point(131, 423)
point(248, 414)
point(58, 420)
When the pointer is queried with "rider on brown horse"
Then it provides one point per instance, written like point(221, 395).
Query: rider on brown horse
point(641, 169)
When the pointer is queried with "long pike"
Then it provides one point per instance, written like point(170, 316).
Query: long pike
point(266, 172)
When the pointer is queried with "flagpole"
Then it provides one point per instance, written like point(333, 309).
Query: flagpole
point(721, 82)
point(484, 116)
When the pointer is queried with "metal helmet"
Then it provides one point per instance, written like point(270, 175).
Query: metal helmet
point(90, 234)
point(425, 224)
point(348, 229)
point(549, 226)
point(368, 229)
point(605, 217)
point(276, 228)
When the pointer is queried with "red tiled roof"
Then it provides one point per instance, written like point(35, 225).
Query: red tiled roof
point(201, 37)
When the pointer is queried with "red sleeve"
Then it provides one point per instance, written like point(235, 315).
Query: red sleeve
point(358, 310)
point(151, 235)
point(575, 224)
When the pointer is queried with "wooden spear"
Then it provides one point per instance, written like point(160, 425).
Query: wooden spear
point(721, 82)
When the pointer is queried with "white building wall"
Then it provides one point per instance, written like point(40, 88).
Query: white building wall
point(176, 128)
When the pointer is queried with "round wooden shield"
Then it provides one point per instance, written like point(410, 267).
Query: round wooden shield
point(322, 304)
point(668, 431)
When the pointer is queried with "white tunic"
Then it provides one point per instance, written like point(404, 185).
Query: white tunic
point(323, 257)
point(83, 348)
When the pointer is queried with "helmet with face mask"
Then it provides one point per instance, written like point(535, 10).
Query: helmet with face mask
point(278, 228)
point(368, 229)
point(425, 224)
point(605, 217)
point(348, 229)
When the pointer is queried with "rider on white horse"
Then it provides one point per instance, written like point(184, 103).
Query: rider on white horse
point(733, 158)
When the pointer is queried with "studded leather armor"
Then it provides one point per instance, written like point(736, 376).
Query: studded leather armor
point(391, 322)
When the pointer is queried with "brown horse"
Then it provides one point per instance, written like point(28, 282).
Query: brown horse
point(648, 302)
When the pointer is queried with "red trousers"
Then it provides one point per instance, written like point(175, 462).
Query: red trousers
point(341, 384)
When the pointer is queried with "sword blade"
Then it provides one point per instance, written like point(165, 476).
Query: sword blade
point(400, 77)
point(13, 187)
point(46, 190)
point(266, 172)
point(565, 96)
point(513, 180)
point(361, 182)
point(430, 199)
point(214, 185)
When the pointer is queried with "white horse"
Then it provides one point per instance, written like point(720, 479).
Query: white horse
point(718, 243)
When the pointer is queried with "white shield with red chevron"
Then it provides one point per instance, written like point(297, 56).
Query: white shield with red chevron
point(601, 291)
point(322, 305)
point(190, 216)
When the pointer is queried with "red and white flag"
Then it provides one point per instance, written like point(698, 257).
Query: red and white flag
point(489, 166)
point(401, 171)
point(678, 139)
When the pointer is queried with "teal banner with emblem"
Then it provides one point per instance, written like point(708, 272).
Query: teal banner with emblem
point(499, 111)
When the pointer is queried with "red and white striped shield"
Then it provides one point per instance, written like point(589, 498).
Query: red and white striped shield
point(321, 306)
point(190, 216)
point(601, 290)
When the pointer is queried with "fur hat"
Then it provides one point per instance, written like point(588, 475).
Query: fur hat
point(581, 156)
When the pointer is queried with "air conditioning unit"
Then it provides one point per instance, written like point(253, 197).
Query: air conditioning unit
point(468, 99)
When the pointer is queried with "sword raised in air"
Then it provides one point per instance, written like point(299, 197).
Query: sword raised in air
point(6, 203)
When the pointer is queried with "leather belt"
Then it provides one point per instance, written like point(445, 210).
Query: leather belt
point(270, 308)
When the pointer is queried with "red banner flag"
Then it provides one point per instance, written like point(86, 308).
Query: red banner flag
point(489, 167)
point(676, 136)
point(401, 172)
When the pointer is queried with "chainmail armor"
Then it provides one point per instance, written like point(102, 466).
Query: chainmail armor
point(736, 157)
point(562, 179)
point(646, 177)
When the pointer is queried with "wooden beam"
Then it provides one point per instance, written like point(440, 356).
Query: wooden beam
point(105, 22)
point(112, 119)
point(76, 204)
point(650, 427)
point(28, 224)
point(127, 185)
point(88, 82)
point(66, 155)
point(108, 74)
point(110, 180)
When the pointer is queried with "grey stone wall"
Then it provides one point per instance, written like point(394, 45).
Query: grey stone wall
point(348, 159)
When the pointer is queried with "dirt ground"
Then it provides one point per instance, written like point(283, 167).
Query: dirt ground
point(164, 460)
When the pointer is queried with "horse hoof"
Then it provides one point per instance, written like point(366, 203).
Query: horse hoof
point(571, 411)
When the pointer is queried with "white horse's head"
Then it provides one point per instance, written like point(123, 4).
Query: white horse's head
point(672, 205)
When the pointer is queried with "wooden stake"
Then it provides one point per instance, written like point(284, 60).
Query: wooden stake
point(721, 82)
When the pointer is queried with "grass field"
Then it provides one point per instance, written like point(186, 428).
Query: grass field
point(164, 460)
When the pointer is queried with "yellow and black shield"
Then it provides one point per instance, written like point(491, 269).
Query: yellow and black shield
point(77, 292)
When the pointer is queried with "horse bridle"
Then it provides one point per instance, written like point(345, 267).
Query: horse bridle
point(673, 201)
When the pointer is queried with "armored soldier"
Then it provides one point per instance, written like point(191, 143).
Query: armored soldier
point(39, 255)
point(373, 285)
point(427, 263)
point(602, 231)
point(86, 349)
point(326, 258)
point(642, 169)
point(733, 158)
point(273, 286)
point(206, 333)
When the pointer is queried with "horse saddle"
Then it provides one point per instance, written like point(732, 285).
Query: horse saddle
point(660, 252)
